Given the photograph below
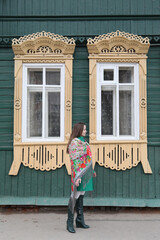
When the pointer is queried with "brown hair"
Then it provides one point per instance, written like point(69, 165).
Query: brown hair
point(76, 132)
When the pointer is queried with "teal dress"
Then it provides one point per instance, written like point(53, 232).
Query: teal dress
point(89, 186)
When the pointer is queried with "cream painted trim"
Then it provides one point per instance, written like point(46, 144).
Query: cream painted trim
point(42, 48)
point(114, 47)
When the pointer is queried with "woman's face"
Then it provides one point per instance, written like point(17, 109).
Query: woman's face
point(84, 131)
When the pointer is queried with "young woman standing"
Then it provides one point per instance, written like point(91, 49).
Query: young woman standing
point(81, 174)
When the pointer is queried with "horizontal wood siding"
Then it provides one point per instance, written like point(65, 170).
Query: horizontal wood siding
point(83, 7)
point(6, 98)
point(153, 95)
point(80, 27)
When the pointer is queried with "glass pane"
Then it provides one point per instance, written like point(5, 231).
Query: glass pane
point(53, 76)
point(125, 112)
point(34, 113)
point(108, 74)
point(107, 112)
point(35, 76)
point(126, 74)
point(54, 114)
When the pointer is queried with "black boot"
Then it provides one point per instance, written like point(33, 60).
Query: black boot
point(80, 218)
point(70, 219)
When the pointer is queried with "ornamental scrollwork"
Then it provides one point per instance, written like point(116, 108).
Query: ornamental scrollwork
point(57, 51)
point(118, 34)
point(17, 104)
point(143, 102)
point(68, 105)
point(44, 50)
point(93, 103)
point(43, 61)
point(143, 135)
point(17, 137)
point(37, 35)
point(118, 49)
point(105, 50)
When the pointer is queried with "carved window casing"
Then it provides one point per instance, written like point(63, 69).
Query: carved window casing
point(50, 49)
point(113, 48)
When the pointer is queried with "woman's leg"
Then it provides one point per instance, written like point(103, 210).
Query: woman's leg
point(79, 207)
point(78, 193)
point(70, 224)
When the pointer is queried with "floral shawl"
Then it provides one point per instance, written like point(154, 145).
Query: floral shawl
point(81, 166)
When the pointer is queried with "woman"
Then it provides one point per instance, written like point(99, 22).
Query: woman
point(81, 174)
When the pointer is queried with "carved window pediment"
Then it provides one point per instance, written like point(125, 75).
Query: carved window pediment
point(118, 42)
point(43, 43)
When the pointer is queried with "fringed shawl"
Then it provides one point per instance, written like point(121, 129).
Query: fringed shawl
point(81, 166)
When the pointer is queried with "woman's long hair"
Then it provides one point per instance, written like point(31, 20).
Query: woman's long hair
point(76, 132)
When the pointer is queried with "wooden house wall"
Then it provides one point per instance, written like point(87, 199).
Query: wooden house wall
point(123, 188)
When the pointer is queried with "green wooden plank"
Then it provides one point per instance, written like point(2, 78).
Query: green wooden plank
point(47, 184)
point(8, 179)
point(2, 173)
point(106, 182)
point(112, 176)
point(21, 181)
point(54, 184)
point(157, 172)
point(156, 6)
point(119, 7)
point(125, 185)
point(67, 184)
point(40, 183)
point(151, 185)
point(119, 184)
point(132, 183)
point(4, 84)
point(34, 182)
point(27, 182)
point(138, 181)
point(60, 184)
point(117, 202)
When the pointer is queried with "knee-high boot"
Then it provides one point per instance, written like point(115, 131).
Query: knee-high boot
point(70, 220)
point(80, 217)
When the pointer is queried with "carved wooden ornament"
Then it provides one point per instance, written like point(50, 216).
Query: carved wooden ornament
point(119, 47)
point(43, 47)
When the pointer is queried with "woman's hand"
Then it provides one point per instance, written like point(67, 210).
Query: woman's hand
point(94, 174)
point(78, 181)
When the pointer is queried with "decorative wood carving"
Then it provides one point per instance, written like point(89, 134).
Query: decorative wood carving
point(117, 42)
point(119, 47)
point(41, 48)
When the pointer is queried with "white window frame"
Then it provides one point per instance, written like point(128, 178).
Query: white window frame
point(105, 84)
point(60, 88)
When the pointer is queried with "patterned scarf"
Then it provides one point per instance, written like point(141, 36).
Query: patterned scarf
point(81, 166)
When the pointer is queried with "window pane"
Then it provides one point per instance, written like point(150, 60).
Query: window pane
point(53, 76)
point(34, 113)
point(108, 74)
point(107, 112)
point(126, 74)
point(35, 76)
point(54, 114)
point(125, 112)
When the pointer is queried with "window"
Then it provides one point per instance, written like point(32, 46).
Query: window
point(43, 102)
point(117, 101)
